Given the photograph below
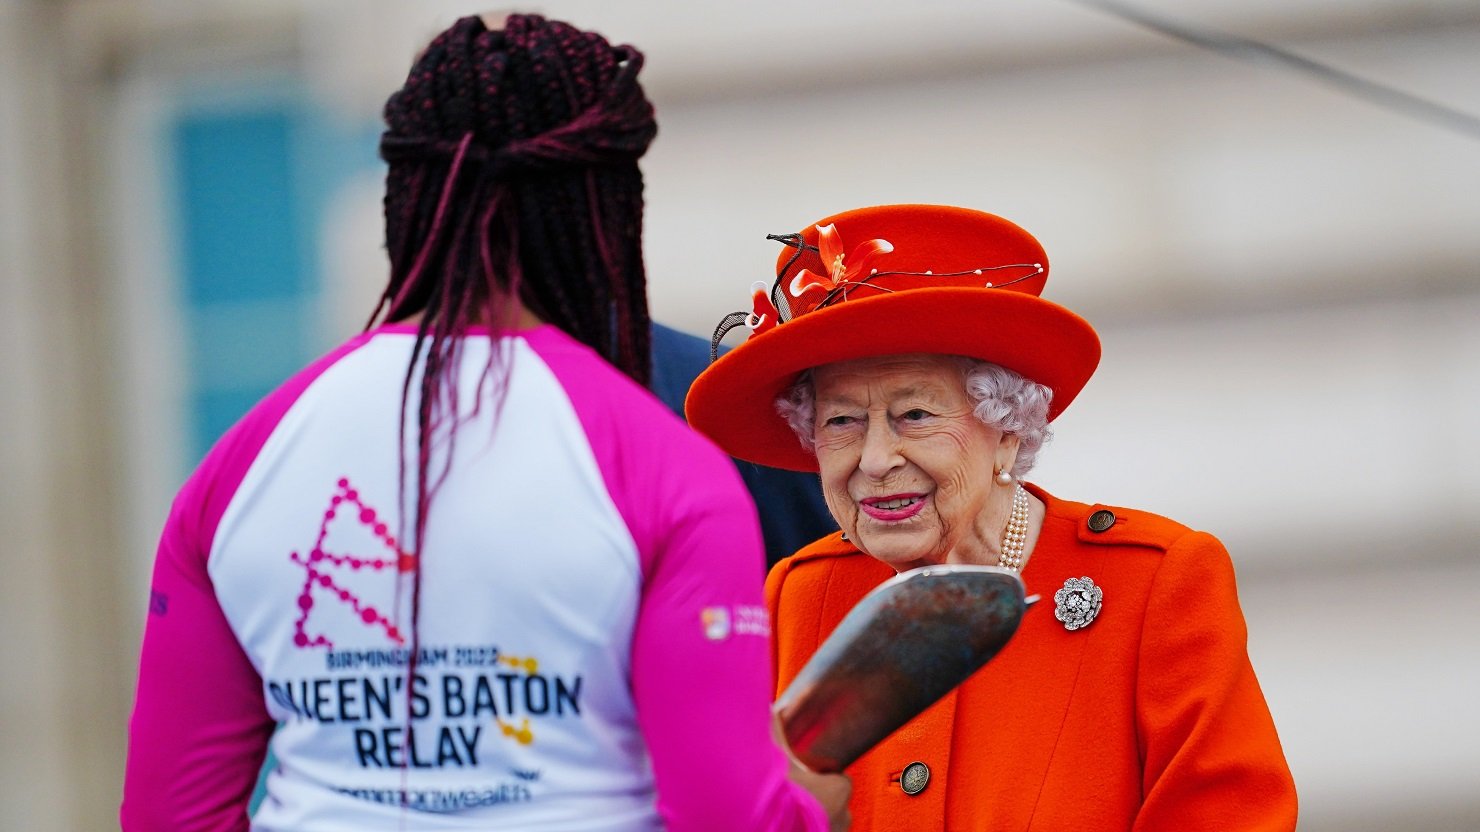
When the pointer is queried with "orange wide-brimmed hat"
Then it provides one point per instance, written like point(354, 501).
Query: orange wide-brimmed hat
point(888, 280)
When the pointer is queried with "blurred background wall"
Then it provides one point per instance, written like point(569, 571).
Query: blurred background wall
point(1286, 280)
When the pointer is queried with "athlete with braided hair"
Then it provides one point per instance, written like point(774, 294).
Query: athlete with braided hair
point(465, 572)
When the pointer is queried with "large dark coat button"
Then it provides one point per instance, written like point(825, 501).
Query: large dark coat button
point(915, 778)
point(1101, 520)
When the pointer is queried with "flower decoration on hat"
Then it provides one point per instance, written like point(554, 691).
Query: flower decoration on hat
point(764, 315)
point(886, 280)
point(810, 288)
point(843, 275)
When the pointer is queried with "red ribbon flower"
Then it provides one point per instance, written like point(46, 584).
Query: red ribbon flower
point(811, 288)
point(763, 315)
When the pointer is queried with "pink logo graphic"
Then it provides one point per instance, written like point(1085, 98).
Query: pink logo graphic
point(328, 572)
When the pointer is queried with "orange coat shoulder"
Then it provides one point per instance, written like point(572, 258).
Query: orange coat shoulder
point(810, 592)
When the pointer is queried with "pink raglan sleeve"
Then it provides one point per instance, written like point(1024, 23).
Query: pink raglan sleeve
point(200, 726)
point(701, 669)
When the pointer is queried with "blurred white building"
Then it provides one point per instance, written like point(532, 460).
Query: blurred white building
point(1286, 280)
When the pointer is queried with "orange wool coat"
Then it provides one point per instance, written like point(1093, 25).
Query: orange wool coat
point(1148, 719)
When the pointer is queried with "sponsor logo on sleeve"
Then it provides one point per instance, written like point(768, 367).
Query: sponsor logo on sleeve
point(716, 621)
point(739, 620)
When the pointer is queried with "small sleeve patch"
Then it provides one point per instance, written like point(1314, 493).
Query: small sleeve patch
point(716, 621)
point(720, 623)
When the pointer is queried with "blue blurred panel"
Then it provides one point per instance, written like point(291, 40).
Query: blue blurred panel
point(244, 275)
point(330, 153)
point(252, 186)
point(214, 411)
point(253, 345)
point(239, 229)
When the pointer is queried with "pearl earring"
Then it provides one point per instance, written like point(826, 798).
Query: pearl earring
point(1004, 477)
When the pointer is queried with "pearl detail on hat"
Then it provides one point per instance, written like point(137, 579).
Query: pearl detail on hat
point(1015, 535)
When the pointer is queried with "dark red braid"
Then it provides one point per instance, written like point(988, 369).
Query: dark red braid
point(513, 175)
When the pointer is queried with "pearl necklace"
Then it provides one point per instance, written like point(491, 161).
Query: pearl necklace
point(1015, 535)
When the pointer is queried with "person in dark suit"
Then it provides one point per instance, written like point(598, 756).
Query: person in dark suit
point(789, 502)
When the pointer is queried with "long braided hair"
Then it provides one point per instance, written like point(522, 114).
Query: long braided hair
point(513, 180)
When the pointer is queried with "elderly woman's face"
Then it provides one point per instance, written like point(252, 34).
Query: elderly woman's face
point(907, 468)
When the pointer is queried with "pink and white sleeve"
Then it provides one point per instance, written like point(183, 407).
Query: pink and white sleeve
point(701, 671)
point(200, 726)
point(701, 665)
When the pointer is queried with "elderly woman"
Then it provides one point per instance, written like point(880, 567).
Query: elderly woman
point(905, 355)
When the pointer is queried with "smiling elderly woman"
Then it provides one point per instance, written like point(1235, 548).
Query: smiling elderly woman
point(918, 373)
point(939, 417)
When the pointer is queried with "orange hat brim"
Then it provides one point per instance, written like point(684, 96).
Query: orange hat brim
point(733, 402)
